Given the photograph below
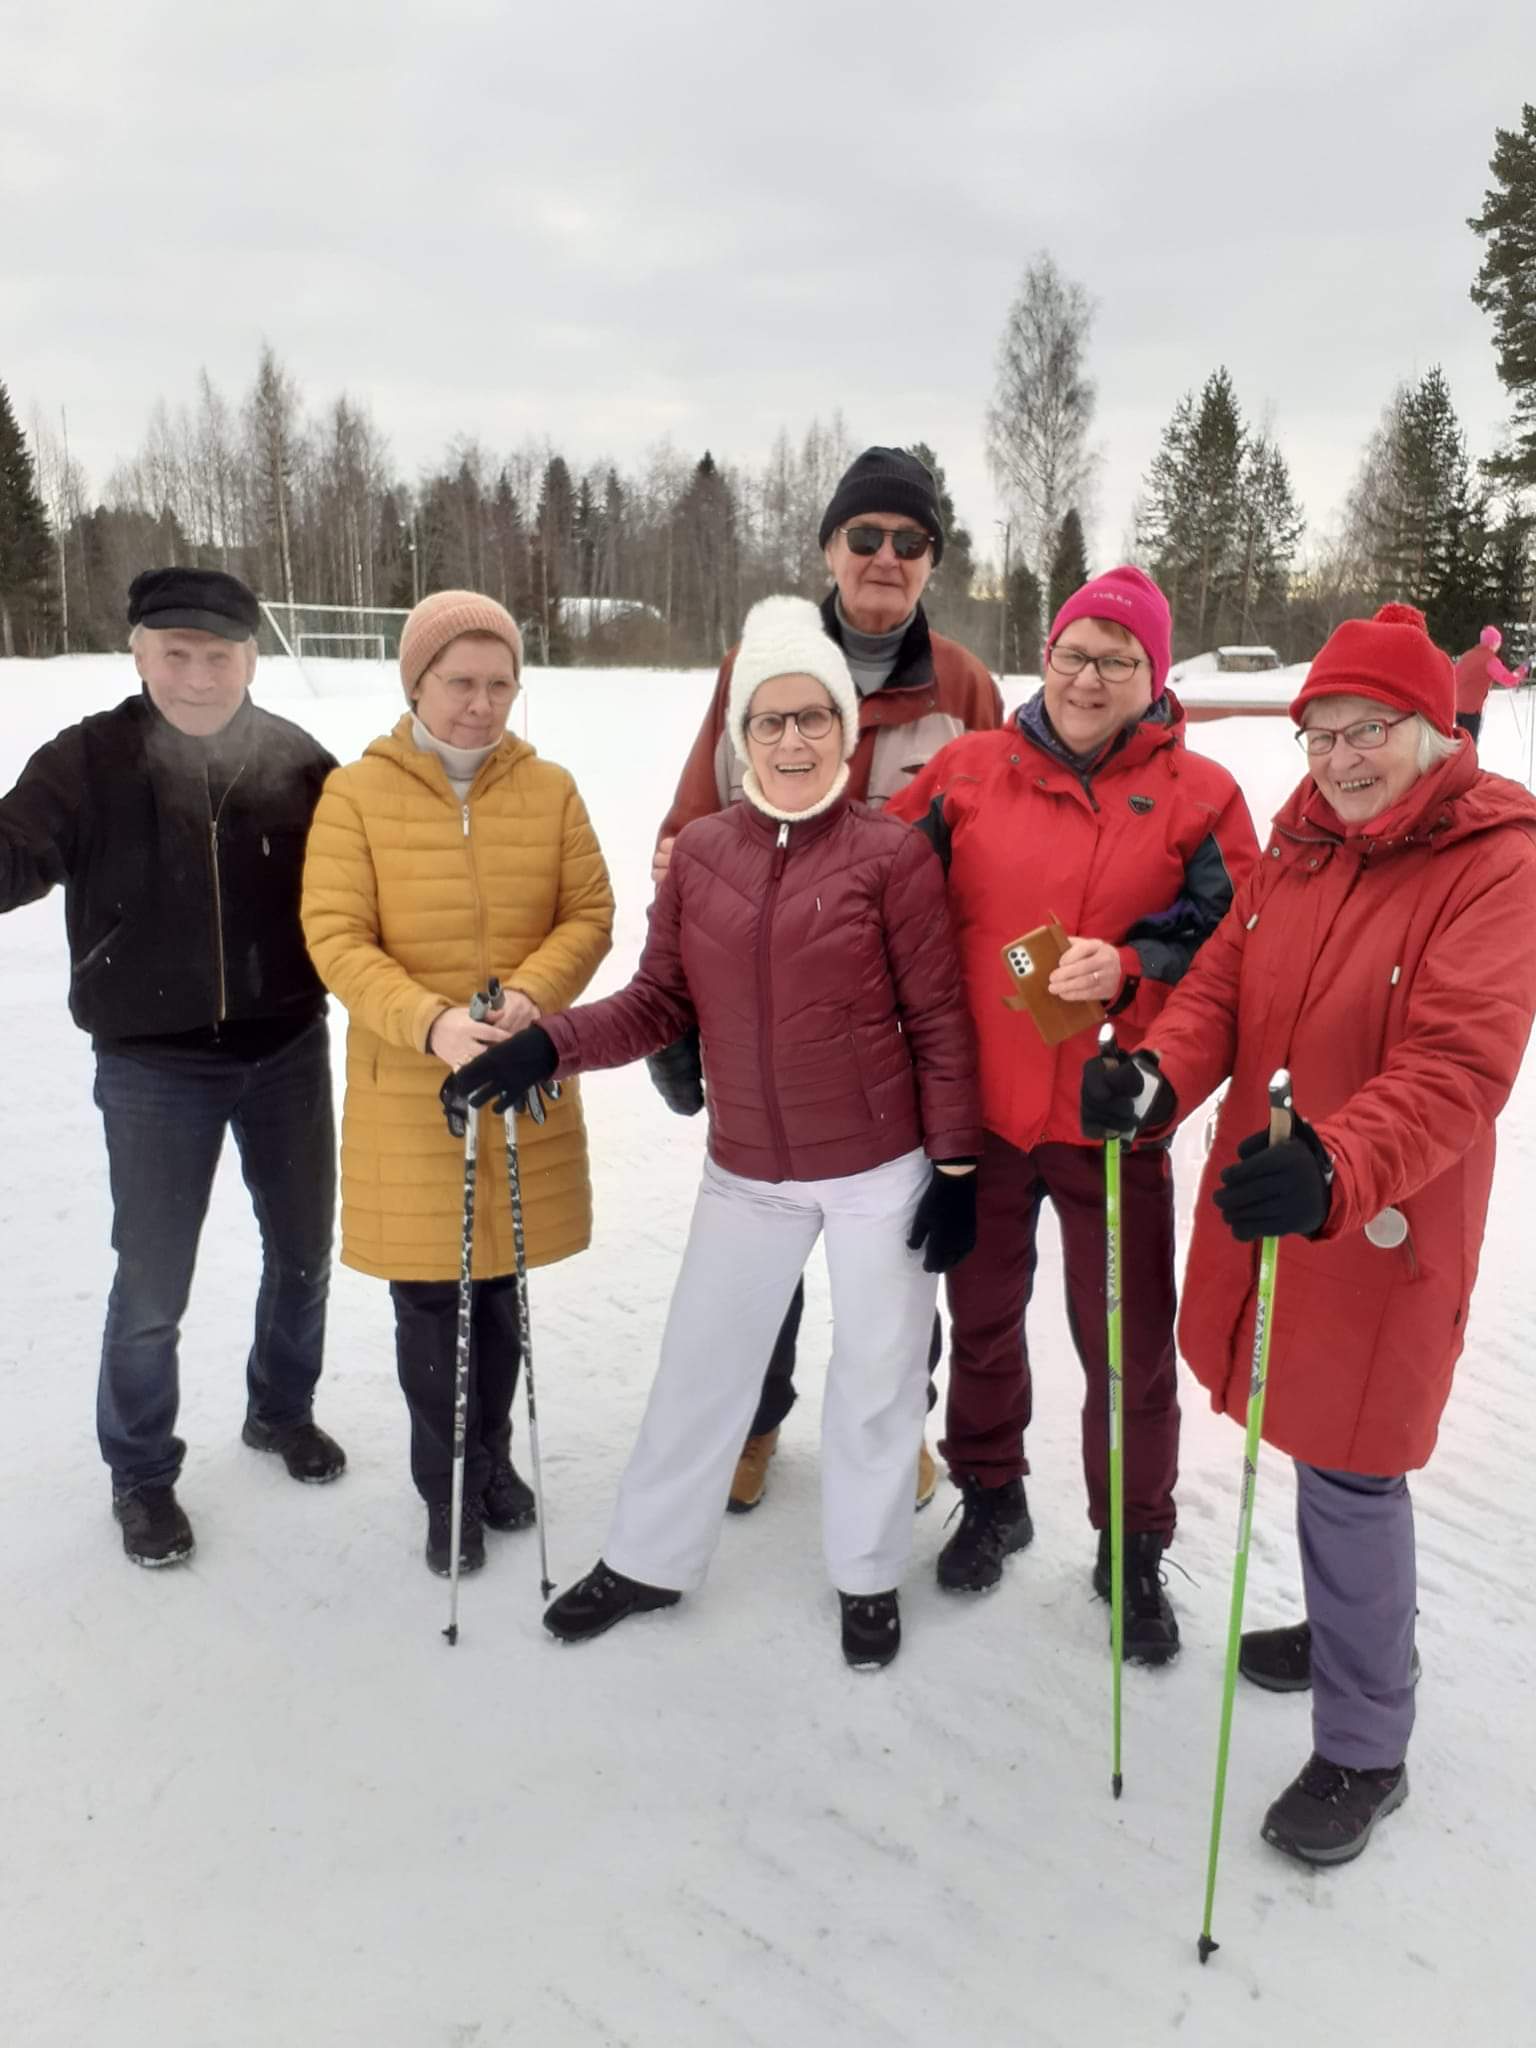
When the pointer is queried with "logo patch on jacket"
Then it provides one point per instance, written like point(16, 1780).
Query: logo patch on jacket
point(1141, 804)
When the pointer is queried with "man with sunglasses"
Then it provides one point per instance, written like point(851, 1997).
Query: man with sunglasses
point(883, 537)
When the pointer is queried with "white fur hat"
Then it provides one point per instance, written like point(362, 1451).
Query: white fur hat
point(784, 636)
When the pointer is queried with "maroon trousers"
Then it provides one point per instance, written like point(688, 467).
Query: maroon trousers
point(990, 1393)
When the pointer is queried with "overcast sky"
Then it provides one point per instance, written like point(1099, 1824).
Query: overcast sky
point(611, 223)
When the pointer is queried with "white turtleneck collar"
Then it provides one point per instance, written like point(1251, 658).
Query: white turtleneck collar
point(752, 790)
point(460, 764)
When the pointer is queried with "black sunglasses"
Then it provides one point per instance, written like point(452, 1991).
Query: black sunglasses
point(908, 543)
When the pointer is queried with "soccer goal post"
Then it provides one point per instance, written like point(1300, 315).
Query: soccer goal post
point(355, 632)
point(353, 646)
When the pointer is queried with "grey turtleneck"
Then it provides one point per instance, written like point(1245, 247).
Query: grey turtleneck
point(460, 764)
point(871, 656)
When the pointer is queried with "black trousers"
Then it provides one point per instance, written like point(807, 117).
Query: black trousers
point(778, 1395)
point(1470, 721)
point(426, 1331)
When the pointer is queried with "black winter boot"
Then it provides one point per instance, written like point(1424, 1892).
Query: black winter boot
point(871, 1629)
point(599, 1600)
point(1280, 1659)
point(1151, 1626)
point(1328, 1813)
point(440, 1529)
point(994, 1522)
point(508, 1499)
point(155, 1531)
point(306, 1450)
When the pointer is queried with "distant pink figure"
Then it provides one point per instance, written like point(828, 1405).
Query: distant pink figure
point(1476, 672)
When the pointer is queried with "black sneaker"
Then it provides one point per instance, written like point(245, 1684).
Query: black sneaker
point(1328, 1814)
point(1151, 1626)
point(596, 1602)
point(440, 1529)
point(871, 1629)
point(308, 1452)
point(995, 1521)
point(155, 1531)
point(507, 1502)
point(1280, 1659)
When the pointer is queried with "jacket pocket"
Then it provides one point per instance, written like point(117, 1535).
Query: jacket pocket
point(96, 956)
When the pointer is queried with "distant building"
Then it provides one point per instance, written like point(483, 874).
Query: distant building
point(583, 616)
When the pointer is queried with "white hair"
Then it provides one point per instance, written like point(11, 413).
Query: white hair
point(1433, 745)
point(135, 632)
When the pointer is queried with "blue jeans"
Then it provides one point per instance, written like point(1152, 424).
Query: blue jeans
point(165, 1118)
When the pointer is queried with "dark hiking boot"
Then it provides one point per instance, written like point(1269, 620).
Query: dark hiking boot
point(1280, 1659)
point(871, 1629)
point(308, 1452)
point(994, 1522)
point(1151, 1626)
point(1328, 1814)
point(155, 1531)
point(507, 1502)
point(599, 1600)
point(439, 1531)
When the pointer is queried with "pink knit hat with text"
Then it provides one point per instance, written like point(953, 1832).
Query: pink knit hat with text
point(1125, 597)
point(443, 617)
point(1390, 659)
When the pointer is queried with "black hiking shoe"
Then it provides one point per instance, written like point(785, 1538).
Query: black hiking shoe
point(308, 1452)
point(1328, 1814)
point(596, 1602)
point(871, 1629)
point(439, 1530)
point(1151, 1626)
point(155, 1531)
point(1280, 1659)
point(507, 1502)
point(995, 1521)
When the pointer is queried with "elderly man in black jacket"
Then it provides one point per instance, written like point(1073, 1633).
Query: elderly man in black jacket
point(176, 824)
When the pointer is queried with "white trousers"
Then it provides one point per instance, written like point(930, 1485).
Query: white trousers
point(748, 1244)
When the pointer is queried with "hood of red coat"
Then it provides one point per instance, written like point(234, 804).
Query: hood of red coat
point(1453, 802)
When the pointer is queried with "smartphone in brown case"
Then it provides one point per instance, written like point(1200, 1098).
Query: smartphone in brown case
point(1031, 961)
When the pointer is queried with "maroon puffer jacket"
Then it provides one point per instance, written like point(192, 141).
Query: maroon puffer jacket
point(818, 961)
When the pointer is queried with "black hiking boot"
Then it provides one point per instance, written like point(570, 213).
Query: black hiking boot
point(1280, 1659)
point(994, 1522)
point(599, 1600)
point(307, 1451)
point(1328, 1813)
point(1151, 1626)
point(507, 1502)
point(155, 1531)
point(471, 1537)
point(871, 1629)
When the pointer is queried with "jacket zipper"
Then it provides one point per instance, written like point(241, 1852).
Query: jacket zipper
point(765, 1001)
point(474, 890)
point(218, 895)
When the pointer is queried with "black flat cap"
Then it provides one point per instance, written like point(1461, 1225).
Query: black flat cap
point(197, 600)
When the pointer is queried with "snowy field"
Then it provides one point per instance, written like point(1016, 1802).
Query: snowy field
point(258, 1801)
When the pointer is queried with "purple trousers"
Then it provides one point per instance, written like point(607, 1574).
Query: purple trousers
point(1357, 1566)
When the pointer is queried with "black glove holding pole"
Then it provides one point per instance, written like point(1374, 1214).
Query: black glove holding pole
point(1109, 1092)
point(944, 1227)
point(1277, 1190)
point(503, 1075)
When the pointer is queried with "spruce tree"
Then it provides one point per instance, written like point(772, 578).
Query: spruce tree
point(958, 567)
point(25, 544)
point(1506, 287)
point(1069, 562)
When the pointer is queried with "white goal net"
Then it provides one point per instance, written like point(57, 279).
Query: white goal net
point(331, 632)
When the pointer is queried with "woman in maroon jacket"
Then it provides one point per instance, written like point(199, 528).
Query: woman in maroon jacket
point(809, 940)
point(1381, 951)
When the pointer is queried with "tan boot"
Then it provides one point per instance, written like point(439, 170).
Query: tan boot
point(927, 1477)
point(752, 1472)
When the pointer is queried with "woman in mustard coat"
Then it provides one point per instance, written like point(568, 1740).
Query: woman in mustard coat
point(450, 853)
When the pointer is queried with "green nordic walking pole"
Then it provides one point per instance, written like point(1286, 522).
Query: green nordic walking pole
point(1280, 1107)
point(1116, 1426)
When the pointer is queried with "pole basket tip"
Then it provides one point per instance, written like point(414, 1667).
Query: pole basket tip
point(451, 1633)
point(547, 1586)
point(1208, 1948)
point(1117, 1784)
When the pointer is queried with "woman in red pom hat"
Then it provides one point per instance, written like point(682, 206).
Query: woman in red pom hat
point(1380, 951)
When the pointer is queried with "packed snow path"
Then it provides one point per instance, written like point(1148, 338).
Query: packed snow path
point(259, 1801)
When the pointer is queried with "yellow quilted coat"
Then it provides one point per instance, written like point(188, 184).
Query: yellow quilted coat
point(412, 901)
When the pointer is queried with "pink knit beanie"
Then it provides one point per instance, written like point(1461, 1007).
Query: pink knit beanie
point(443, 617)
point(1125, 597)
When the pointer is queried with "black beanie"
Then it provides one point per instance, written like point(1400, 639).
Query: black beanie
point(886, 480)
point(197, 600)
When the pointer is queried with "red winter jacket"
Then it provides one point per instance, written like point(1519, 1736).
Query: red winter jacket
point(818, 962)
point(1390, 966)
point(1144, 849)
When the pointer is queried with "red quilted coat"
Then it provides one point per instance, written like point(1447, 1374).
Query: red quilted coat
point(1391, 967)
point(818, 961)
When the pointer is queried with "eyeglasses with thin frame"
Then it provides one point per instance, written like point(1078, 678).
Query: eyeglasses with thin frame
point(469, 682)
point(908, 543)
point(1365, 737)
point(813, 723)
point(1112, 668)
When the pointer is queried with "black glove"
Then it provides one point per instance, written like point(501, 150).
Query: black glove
point(1107, 1104)
point(944, 1228)
point(678, 1072)
point(1277, 1190)
point(503, 1075)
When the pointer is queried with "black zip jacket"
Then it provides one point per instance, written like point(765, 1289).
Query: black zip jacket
point(181, 861)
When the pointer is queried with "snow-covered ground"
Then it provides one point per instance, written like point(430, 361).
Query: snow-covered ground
point(258, 1801)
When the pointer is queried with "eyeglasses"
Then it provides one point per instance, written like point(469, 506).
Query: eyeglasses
point(908, 543)
point(496, 683)
point(813, 723)
point(1370, 733)
point(1112, 668)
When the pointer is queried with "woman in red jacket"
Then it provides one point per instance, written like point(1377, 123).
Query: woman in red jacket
point(1088, 808)
point(809, 940)
point(1381, 951)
